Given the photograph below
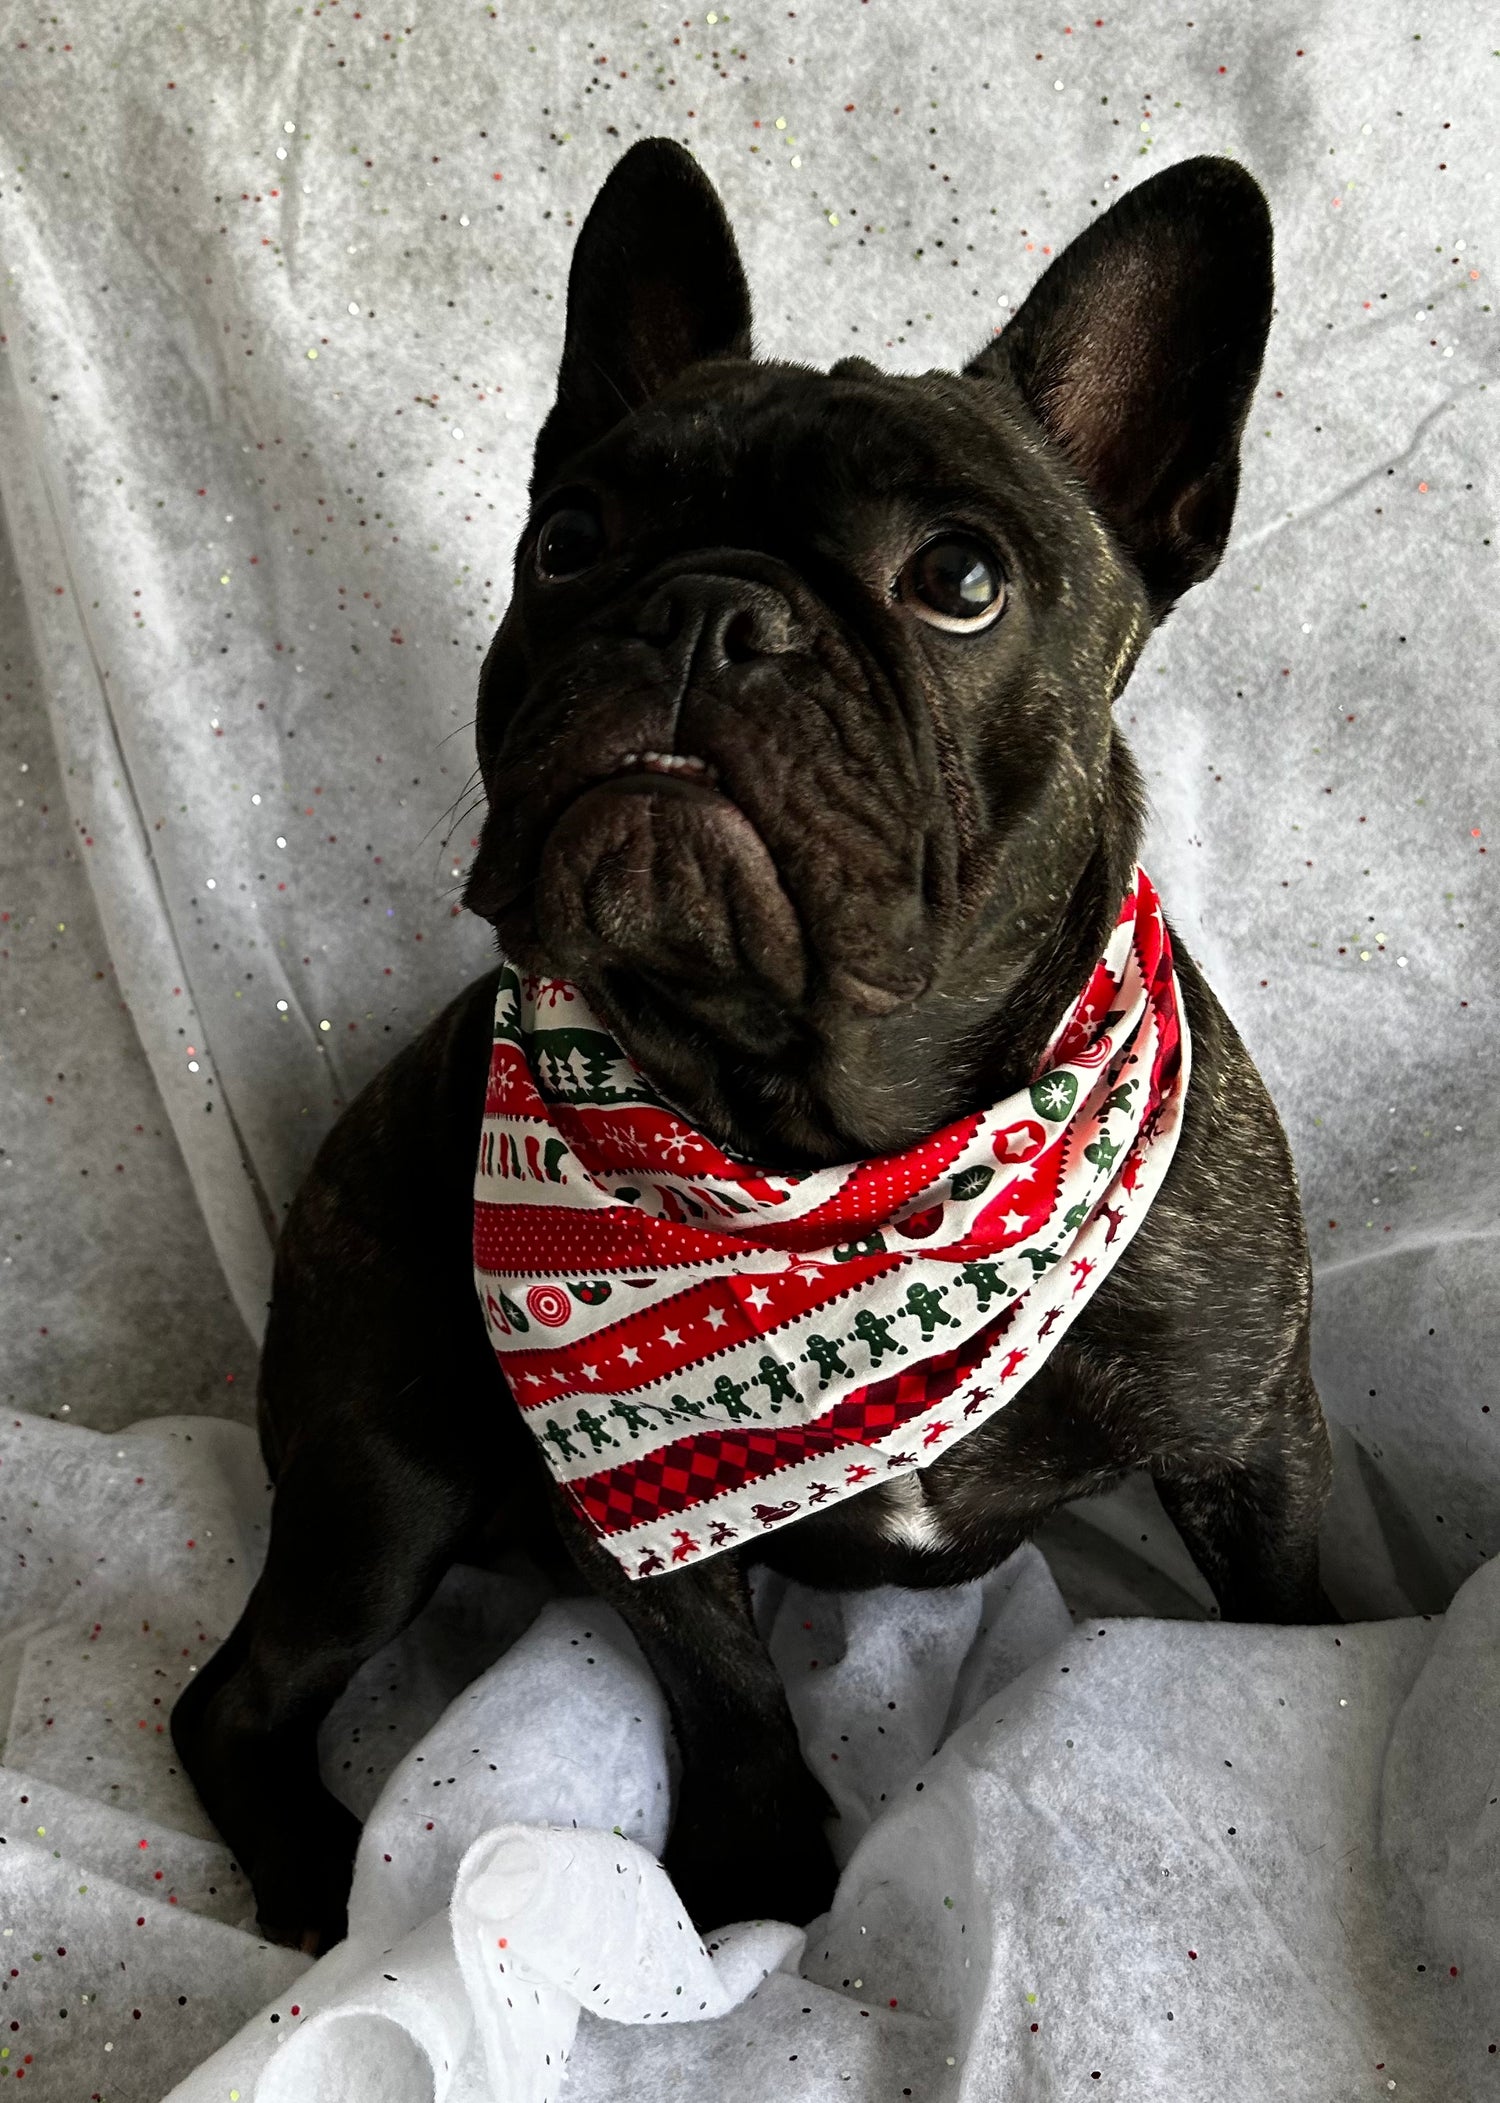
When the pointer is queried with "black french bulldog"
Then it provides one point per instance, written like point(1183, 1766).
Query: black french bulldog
point(879, 624)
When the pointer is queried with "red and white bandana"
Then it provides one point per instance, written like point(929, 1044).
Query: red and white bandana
point(706, 1350)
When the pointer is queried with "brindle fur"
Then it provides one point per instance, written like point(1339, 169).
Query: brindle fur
point(954, 828)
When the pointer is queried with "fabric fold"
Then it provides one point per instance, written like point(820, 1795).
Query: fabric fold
point(549, 1921)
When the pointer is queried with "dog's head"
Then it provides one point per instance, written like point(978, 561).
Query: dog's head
point(797, 734)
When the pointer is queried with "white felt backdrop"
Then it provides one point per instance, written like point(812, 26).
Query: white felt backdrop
point(280, 301)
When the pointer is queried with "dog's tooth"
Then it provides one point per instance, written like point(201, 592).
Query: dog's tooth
point(663, 762)
point(676, 762)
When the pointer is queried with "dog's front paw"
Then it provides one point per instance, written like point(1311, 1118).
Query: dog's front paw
point(752, 1854)
point(302, 1875)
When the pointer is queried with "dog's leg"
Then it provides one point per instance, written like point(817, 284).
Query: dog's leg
point(354, 1553)
point(1251, 1525)
point(747, 1839)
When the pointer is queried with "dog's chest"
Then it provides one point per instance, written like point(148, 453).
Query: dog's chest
point(949, 1522)
point(909, 1517)
point(960, 1516)
point(919, 1529)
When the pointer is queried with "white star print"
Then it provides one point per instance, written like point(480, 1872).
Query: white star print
point(589, 1372)
point(630, 1354)
point(715, 1318)
point(758, 1295)
point(1016, 1143)
point(671, 1336)
point(1011, 1221)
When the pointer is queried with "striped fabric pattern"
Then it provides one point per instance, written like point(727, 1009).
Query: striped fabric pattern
point(707, 1349)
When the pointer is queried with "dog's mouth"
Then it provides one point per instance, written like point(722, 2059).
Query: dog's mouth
point(652, 769)
point(646, 862)
point(647, 772)
point(650, 863)
point(498, 878)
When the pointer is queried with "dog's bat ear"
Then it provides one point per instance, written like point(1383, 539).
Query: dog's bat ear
point(1138, 351)
point(656, 285)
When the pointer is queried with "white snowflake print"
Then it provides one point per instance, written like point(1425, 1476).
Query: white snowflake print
point(680, 1143)
point(1053, 1094)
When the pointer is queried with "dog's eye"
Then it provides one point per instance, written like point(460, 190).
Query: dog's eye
point(954, 582)
point(571, 541)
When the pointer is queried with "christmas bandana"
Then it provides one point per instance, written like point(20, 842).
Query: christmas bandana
point(706, 1350)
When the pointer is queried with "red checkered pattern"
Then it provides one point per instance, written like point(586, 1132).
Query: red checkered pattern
point(696, 1469)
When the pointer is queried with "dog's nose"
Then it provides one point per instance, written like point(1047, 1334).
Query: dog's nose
point(717, 620)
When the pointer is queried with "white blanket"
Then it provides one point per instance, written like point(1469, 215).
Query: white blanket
point(1192, 1860)
point(280, 306)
